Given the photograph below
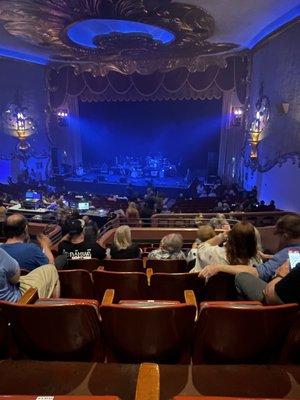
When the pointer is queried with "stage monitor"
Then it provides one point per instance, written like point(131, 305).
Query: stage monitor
point(83, 206)
point(31, 195)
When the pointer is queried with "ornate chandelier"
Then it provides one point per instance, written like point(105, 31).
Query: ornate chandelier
point(19, 123)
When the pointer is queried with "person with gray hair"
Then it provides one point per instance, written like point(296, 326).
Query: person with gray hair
point(170, 248)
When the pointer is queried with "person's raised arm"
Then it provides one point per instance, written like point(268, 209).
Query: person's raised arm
point(45, 243)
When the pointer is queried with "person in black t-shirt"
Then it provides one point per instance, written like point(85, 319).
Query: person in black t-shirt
point(77, 247)
point(122, 247)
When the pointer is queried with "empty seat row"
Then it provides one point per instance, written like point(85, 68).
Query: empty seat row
point(139, 285)
point(225, 332)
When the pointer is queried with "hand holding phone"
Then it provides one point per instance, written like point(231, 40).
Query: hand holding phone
point(294, 258)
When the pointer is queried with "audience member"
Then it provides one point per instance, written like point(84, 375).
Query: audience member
point(169, 248)
point(2, 216)
point(76, 246)
point(132, 214)
point(204, 233)
point(90, 228)
point(288, 231)
point(240, 248)
point(219, 222)
point(122, 247)
point(28, 255)
point(13, 286)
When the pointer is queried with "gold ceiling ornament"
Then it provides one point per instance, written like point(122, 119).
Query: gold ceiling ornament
point(46, 23)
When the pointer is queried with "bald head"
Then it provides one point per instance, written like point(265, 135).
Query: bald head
point(15, 226)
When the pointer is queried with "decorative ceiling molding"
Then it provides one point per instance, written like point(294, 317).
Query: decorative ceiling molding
point(45, 23)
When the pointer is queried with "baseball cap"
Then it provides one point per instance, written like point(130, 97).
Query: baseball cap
point(75, 226)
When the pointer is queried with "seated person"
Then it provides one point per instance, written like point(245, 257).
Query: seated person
point(288, 231)
point(240, 248)
point(122, 247)
point(219, 222)
point(13, 286)
point(28, 255)
point(204, 233)
point(283, 288)
point(76, 247)
point(90, 228)
point(169, 248)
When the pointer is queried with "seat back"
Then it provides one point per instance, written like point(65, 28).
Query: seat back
point(172, 286)
point(237, 333)
point(89, 264)
point(4, 335)
point(291, 349)
point(167, 266)
point(219, 287)
point(159, 334)
point(125, 265)
point(76, 284)
point(56, 331)
point(127, 285)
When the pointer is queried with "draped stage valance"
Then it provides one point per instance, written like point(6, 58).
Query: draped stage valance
point(178, 84)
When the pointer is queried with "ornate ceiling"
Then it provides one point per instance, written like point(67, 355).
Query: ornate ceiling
point(46, 23)
point(177, 33)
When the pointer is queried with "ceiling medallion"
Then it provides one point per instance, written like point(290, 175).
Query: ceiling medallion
point(123, 35)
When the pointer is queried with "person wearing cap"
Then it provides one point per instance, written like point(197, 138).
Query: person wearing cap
point(76, 246)
point(250, 281)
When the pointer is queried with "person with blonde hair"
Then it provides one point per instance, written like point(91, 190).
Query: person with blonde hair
point(132, 214)
point(169, 248)
point(123, 248)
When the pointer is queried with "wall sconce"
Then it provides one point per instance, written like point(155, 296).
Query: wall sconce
point(259, 124)
point(285, 107)
point(19, 122)
point(237, 114)
point(62, 117)
point(254, 141)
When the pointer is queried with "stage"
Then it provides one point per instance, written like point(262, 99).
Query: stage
point(93, 182)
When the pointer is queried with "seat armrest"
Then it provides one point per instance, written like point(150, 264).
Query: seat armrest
point(144, 262)
point(190, 299)
point(149, 273)
point(29, 297)
point(65, 301)
point(108, 297)
point(148, 383)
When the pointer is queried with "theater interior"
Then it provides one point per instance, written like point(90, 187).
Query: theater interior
point(149, 199)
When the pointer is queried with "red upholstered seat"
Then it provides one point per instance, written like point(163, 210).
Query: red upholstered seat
point(152, 334)
point(127, 285)
point(167, 266)
point(88, 265)
point(216, 398)
point(4, 335)
point(76, 284)
point(125, 265)
point(60, 397)
point(219, 287)
point(53, 330)
point(241, 333)
point(291, 349)
point(172, 286)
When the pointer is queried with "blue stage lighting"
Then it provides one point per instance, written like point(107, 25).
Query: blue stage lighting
point(84, 32)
